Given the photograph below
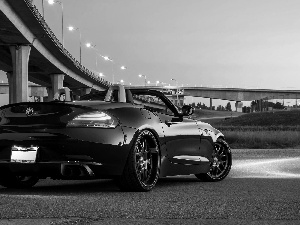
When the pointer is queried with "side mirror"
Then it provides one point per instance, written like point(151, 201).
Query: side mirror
point(187, 110)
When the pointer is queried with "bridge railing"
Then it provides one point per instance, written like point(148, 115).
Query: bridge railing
point(50, 33)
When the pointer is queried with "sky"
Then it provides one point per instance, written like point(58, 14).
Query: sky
point(220, 43)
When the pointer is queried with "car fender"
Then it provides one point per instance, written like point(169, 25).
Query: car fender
point(207, 130)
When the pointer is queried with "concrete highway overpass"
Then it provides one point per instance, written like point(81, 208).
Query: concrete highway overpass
point(231, 94)
point(31, 52)
point(238, 94)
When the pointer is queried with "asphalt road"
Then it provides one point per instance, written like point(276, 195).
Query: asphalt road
point(262, 188)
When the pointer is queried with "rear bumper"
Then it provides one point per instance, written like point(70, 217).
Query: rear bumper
point(104, 151)
point(57, 170)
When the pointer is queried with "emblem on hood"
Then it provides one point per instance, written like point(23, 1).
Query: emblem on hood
point(29, 111)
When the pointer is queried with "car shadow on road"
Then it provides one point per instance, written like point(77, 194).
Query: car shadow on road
point(89, 186)
point(65, 187)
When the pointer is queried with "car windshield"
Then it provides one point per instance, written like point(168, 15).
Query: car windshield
point(151, 100)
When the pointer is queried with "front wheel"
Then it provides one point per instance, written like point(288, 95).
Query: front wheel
point(220, 164)
point(15, 181)
point(142, 167)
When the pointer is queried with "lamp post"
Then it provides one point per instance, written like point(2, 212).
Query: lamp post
point(71, 28)
point(176, 90)
point(145, 77)
point(90, 45)
point(43, 8)
point(51, 2)
point(106, 58)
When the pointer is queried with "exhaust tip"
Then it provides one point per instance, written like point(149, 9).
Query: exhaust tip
point(76, 170)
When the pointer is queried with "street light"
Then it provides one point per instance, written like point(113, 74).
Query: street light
point(145, 77)
point(90, 45)
point(121, 81)
point(43, 8)
point(71, 28)
point(106, 58)
point(51, 2)
point(176, 90)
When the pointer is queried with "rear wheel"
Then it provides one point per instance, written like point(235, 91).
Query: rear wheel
point(142, 167)
point(220, 164)
point(14, 181)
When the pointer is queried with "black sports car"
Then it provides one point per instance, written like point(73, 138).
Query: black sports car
point(133, 136)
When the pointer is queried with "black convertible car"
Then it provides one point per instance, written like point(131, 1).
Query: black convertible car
point(133, 136)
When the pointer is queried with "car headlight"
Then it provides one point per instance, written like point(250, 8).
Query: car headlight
point(94, 119)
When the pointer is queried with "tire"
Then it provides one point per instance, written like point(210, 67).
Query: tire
point(141, 171)
point(220, 164)
point(14, 181)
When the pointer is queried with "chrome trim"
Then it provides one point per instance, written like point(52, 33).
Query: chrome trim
point(88, 170)
point(192, 158)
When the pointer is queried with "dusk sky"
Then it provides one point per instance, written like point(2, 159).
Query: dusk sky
point(233, 43)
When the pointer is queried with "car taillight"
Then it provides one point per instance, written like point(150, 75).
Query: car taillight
point(94, 119)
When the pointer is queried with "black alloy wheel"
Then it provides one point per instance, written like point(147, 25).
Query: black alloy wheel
point(220, 164)
point(142, 167)
point(17, 181)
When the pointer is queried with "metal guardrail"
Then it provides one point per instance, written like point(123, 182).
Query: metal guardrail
point(53, 37)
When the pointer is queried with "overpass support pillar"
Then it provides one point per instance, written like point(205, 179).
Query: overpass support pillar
point(238, 106)
point(57, 81)
point(10, 87)
point(18, 79)
point(85, 91)
point(210, 103)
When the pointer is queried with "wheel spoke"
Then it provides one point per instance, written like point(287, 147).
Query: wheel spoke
point(220, 159)
point(146, 159)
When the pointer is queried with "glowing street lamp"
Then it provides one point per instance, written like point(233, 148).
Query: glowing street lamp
point(106, 58)
point(51, 2)
point(71, 28)
point(90, 45)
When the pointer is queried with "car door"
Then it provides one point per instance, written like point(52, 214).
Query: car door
point(182, 139)
point(181, 135)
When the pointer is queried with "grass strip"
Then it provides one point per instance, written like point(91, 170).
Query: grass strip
point(263, 139)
